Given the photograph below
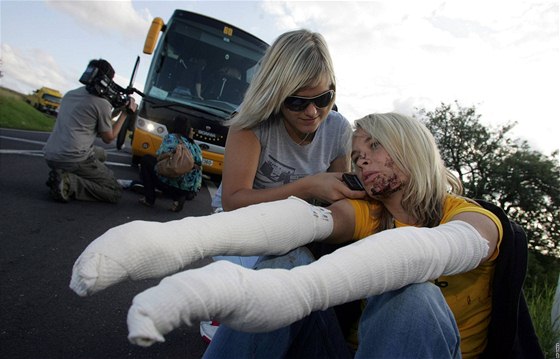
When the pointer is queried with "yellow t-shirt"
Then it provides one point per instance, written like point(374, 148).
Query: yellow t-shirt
point(468, 294)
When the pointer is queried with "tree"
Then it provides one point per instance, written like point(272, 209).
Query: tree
point(499, 169)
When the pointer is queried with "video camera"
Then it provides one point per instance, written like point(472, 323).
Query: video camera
point(97, 83)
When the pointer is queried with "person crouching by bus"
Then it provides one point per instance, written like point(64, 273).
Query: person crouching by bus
point(179, 188)
point(77, 169)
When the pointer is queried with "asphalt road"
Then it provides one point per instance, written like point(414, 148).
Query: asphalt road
point(40, 240)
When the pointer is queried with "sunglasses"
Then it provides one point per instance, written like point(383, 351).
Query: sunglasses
point(297, 103)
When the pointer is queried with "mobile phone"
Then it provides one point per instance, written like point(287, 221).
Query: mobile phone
point(353, 182)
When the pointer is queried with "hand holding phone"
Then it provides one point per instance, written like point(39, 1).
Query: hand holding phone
point(353, 182)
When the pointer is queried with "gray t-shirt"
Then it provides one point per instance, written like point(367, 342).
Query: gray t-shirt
point(81, 117)
point(283, 161)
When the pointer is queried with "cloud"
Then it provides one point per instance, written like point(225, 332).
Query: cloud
point(24, 69)
point(500, 56)
point(113, 17)
point(397, 56)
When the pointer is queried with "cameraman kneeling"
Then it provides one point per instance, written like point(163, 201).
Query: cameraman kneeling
point(77, 169)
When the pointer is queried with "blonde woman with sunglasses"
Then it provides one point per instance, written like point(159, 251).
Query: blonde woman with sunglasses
point(285, 139)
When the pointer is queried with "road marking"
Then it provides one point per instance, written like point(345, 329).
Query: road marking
point(39, 153)
point(112, 151)
point(211, 188)
point(22, 140)
point(23, 152)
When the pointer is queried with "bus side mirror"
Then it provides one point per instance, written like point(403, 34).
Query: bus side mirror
point(153, 34)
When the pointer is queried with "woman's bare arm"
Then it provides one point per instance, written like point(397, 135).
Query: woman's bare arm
point(241, 161)
point(484, 225)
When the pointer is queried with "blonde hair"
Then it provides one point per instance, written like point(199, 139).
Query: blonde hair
point(413, 149)
point(297, 59)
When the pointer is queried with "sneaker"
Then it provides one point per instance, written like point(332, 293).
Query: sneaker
point(52, 178)
point(137, 187)
point(190, 195)
point(177, 206)
point(208, 330)
point(60, 186)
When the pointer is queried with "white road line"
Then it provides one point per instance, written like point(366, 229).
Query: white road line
point(39, 153)
point(22, 140)
point(22, 152)
point(112, 151)
point(211, 188)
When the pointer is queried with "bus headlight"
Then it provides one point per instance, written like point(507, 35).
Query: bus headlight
point(151, 127)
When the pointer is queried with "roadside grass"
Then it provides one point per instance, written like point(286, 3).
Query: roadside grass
point(540, 298)
point(18, 114)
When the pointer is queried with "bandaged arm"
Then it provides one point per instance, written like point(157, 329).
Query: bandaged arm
point(141, 249)
point(268, 299)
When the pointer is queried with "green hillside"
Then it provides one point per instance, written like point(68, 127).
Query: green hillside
point(16, 113)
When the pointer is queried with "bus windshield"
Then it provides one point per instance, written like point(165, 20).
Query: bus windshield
point(204, 65)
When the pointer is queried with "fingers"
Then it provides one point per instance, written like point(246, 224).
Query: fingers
point(348, 193)
point(341, 191)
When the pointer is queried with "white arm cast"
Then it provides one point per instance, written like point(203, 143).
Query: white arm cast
point(268, 299)
point(142, 249)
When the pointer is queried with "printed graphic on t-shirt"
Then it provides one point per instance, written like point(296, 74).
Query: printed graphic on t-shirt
point(273, 173)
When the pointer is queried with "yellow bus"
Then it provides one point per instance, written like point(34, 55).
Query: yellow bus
point(200, 69)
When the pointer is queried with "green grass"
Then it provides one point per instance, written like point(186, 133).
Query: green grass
point(18, 114)
point(540, 297)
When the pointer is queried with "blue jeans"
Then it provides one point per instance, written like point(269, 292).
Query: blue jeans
point(244, 261)
point(412, 322)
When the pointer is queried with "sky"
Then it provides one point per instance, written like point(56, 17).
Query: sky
point(501, 56)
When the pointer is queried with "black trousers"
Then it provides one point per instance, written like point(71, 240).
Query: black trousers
point(151, 181)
